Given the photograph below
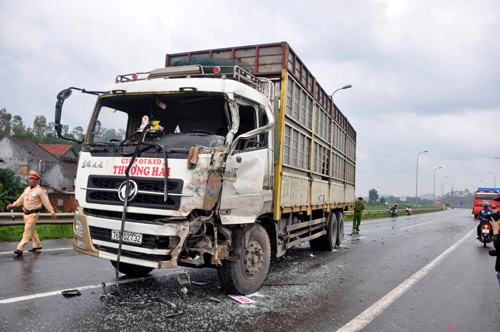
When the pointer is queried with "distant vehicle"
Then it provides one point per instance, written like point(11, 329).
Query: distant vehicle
point(408, 210)
point(394, 211)
point(486, 234)
point(485, 195)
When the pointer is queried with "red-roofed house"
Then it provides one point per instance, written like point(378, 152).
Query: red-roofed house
point(61, 150)
point(58, 169)
point(22, 155)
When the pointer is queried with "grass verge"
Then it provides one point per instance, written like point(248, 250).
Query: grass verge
point(387, 215)
point(15, 233)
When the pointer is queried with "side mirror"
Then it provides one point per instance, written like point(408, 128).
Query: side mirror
point(64, 94)
point(97, 127)
point(61, 97)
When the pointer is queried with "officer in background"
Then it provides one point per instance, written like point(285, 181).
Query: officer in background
point(359, 208)
point(31, 200)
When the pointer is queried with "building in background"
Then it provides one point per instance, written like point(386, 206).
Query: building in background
point(55, 163)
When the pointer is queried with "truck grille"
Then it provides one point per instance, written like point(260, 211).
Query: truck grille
point(104, 190)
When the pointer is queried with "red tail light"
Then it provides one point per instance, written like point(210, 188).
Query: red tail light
point(486, 226)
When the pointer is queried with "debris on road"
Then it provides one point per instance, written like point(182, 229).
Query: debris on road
point(284, 284)
point(241, 299)
point(211, 298)
point(71, 293)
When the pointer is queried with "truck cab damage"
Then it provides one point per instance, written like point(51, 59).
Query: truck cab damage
point(196, 135)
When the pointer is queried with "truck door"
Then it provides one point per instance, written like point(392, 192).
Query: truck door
point(242, 196)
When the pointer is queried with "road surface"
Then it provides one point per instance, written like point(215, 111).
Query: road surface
point(424, 272)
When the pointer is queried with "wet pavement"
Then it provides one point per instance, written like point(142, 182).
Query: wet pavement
point(307, 290)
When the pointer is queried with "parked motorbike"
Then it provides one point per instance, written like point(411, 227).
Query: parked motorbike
point(408, 211)
point(394, 212)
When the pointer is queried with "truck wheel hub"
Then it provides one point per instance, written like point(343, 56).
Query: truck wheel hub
point(253, 259)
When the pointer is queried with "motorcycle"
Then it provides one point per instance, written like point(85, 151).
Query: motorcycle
point(394, 212)
point(408, 211)
point(486, 234)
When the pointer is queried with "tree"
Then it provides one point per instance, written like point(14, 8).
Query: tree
point(5, 126)
point(40, 127)
point(78, 132)
point(10, 187)
point(373, 196)
point(382, 201)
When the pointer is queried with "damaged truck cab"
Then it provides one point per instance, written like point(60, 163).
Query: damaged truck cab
point(184, 165)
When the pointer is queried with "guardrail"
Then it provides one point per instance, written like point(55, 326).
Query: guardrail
point(16, 218)
point(400, 212)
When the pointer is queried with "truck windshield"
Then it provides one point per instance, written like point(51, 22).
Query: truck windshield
point(486, 196)
point(184, 120)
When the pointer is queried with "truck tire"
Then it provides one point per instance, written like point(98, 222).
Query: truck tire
point(340, 228)
point(246, 275)
point(132, 270)
point(328, 241)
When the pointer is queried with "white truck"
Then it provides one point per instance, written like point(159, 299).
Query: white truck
point(221, 158)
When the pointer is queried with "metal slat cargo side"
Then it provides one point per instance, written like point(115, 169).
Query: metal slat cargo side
point(315, 145)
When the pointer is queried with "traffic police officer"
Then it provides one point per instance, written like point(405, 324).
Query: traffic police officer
point(31, 200)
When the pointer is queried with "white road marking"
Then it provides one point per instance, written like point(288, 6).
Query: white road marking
point(367, 316)
point(40, 251)
point(58, 292)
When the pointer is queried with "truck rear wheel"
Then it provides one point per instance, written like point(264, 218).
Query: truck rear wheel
point(340, 228)
point(328, 241)
point(132, 270)
point(247, 274)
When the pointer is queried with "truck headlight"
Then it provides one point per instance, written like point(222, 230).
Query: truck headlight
point(78, 224)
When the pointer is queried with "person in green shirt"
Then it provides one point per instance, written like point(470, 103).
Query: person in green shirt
point(359, 208)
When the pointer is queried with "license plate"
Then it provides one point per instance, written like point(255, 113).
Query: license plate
point(127, 237)
point(486, 231)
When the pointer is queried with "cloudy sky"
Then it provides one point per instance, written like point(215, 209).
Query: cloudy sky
point(425, 74)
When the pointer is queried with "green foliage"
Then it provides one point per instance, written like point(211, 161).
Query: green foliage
point(5, 119)
point(43, 132)
point(15, 233)
point(11, 187)
point(372, 196)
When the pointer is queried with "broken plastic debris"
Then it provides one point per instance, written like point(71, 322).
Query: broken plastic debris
point(174, 314)
point(256, 294)
point(183, 278)
point(211, 298)
point(199, 283)
point(71, 293)
point(241, 299)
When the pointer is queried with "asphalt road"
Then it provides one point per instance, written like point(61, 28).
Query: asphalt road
point(418, 273)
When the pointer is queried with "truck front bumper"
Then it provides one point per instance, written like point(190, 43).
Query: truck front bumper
point(160, 247)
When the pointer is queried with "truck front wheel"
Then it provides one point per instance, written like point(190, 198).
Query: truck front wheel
point(132, 270)
point(248, 273)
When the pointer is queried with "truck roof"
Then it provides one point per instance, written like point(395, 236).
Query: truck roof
point(215, 85)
